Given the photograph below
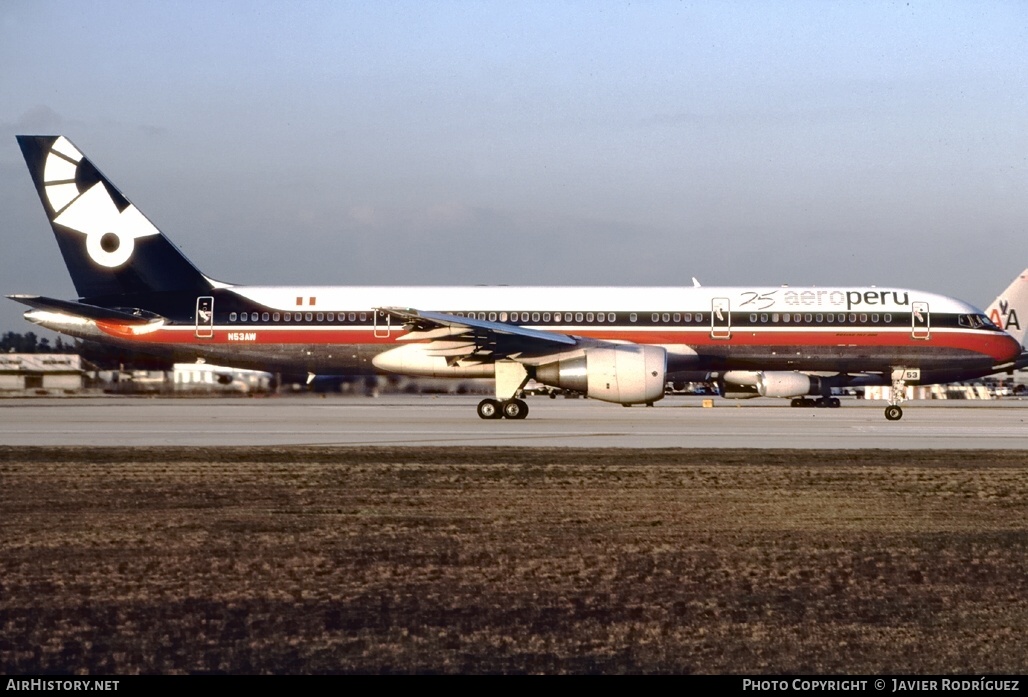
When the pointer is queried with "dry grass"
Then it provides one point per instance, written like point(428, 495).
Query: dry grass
point(488, 560)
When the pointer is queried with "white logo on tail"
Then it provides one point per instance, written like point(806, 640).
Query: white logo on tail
point(110, 234)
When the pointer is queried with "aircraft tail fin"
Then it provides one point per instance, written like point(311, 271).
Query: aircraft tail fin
point(109, 246)
point(1010, 310)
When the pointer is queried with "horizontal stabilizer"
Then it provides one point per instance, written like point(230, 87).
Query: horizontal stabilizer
point(70, 307)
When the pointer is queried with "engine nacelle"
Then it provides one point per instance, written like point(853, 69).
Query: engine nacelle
point(787, 384)
point(627, 374)
point(730, 391)
point(423, 360)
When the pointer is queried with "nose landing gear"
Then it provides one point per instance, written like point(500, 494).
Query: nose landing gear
point(894, 412)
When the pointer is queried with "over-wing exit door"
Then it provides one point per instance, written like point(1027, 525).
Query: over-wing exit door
point(383, 324)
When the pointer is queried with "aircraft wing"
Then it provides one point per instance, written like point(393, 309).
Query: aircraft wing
point(94, 312)
point(468, 338)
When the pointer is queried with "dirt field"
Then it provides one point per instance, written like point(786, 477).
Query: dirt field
point(486, 560)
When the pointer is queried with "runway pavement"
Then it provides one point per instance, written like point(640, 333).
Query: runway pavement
point(450, 421)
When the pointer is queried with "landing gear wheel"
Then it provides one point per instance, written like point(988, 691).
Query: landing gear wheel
point(515, 409)
point(834, 403)
point(489, 409)
point(893, 413)
point(821, 403)
point(797, 402)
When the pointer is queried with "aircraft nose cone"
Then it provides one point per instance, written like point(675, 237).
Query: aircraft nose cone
point(1010, 347)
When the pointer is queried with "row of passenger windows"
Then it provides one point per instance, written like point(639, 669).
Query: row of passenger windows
point(588, 317)
point(819, 318)
point(296, 317)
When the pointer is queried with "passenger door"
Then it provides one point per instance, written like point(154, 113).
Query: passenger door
point(720, 319)
point(920, 321)
point(204, 317)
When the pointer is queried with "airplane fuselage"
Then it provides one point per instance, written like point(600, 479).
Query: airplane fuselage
point(341, 330)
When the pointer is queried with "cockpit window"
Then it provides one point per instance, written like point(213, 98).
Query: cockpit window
point(975, 321)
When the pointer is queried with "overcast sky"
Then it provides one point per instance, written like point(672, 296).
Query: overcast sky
point(375, 142)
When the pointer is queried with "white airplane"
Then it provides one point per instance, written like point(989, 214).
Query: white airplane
point(620, 345)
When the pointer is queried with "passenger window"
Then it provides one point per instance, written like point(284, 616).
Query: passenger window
point(830, 317)
point(535, 316)
point(611, 317)
point(774, 317)
point(589, 317)
point(763, 317)
point(503, 316)
point(874, 319)
point(578, 316)
point(863, 318)
point(513, 317)
point(309, 317)
point(287, 317)
point(600, 317)
point(546, 317)
point(796, 317)
point(819, 318)
point(243, 317)
point(364, 317)
point(276, 317)
point(321, 316)
point(232, 317)
point(265, 317)
point(633, 317)
point(556, 317)
point(808, 317)
point(332, 317)
point(753, 318)
point(655, 317)
point(492, 316)
point(853, 318)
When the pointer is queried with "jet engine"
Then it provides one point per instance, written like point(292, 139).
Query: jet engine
point(745, 384)
point(787, 384)
point(627, 374)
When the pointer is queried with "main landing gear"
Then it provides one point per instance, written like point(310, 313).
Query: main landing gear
point(511, 376)
point(822, 402)
point(509, 409)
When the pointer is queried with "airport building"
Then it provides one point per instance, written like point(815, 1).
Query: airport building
point(49, 372)
point(204, 377)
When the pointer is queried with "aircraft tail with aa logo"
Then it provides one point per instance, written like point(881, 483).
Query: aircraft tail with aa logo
point(1010, 310)
point(110, 248)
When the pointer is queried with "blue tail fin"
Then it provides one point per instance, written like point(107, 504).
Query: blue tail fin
point(110, 248)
